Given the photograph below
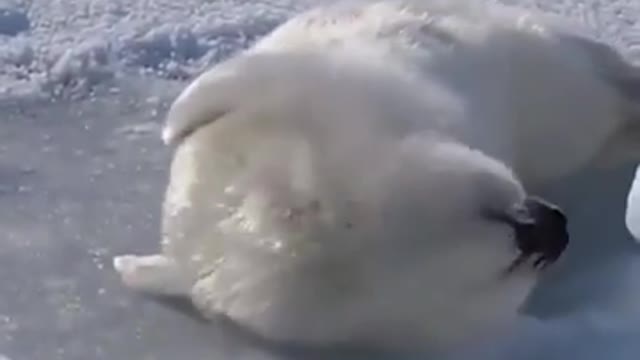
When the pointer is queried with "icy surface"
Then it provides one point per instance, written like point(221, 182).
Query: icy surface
point(84, 85)
point(13, 21)
point(73, 44)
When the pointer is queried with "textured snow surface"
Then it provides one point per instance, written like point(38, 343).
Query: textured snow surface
point(84, 85)
point(75, 44)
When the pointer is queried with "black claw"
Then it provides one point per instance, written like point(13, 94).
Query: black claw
point(541, 262)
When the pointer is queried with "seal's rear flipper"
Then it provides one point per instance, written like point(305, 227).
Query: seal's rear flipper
point(152, 274)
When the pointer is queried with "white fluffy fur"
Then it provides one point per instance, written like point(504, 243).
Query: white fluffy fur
point(527, 90)
point(324, 187)
point(301, 232)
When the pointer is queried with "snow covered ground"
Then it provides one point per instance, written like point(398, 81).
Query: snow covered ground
point(83, 88)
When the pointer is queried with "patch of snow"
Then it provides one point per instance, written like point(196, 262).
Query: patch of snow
point(584, 336)
point(13, 21)
point(632, 218)
point(73, 45)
